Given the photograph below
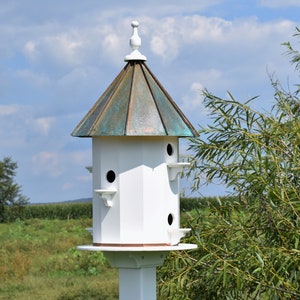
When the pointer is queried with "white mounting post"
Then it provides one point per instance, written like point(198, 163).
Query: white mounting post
point(137, 273)
point(137, 284)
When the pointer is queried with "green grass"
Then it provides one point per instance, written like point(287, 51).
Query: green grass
point(39, 260)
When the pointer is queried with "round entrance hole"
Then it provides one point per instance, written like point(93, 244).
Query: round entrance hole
point(110, 176)
point(170, 149)
point(170, 219)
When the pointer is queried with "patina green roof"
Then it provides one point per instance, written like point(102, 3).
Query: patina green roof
point(135, 104)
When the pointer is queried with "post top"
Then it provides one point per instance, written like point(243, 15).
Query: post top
point(135, 43)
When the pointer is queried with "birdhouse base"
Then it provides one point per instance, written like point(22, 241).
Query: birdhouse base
point(137, 248)
point(129, 245)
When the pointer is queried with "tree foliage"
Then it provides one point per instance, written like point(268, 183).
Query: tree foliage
point(10, 191)
point(249, 248)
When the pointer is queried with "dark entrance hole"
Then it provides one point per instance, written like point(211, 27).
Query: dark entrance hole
point(170, 219)
point(170, 149)
point(111, 176)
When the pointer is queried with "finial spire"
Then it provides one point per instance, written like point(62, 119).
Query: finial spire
point(135, 43)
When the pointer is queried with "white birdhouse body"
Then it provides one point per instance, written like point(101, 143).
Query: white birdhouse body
point(135, 126)
point(136, 199)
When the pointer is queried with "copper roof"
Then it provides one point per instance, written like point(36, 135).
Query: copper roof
point(135, 104)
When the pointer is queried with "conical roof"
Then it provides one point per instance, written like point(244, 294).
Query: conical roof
point(135, 104)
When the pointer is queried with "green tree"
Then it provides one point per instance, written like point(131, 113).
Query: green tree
point(10, 191)
point(247, 248)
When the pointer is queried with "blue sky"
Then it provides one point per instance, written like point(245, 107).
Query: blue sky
point(58, 57)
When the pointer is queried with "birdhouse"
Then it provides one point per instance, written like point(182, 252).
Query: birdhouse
point(135, 126)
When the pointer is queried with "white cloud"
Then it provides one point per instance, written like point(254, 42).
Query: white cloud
point(81, 158)
point(77, 159)
point(193, 101)
point(112, 48)
point(55, 163)
point(20, 128)
point(47, 163)
point(13, 129)
point(61, 49)
point(176, 37)
point(43, 124)
point(199, 28)
point(9, 110)
point(65, 48)
point(67, 186)
point(166, 47)
point(251, 31)
point(84, 178)
point(58, 48)
point(165, 42)
point(30, 50)
point(34, 78)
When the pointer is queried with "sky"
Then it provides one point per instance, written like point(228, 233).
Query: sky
point(58, 57)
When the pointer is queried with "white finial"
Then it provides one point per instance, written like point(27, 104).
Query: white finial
point(135, 44)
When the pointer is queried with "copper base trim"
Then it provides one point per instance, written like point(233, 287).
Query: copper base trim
point(129, 245)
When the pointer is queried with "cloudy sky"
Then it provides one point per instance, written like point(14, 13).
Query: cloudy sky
point(58, 57)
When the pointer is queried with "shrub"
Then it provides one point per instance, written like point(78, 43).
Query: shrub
point(249, 248)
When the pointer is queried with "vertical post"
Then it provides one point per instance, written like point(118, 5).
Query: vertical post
point(137, 272)
point(137, 284)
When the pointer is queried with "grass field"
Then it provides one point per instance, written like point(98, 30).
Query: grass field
point(39, 260)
